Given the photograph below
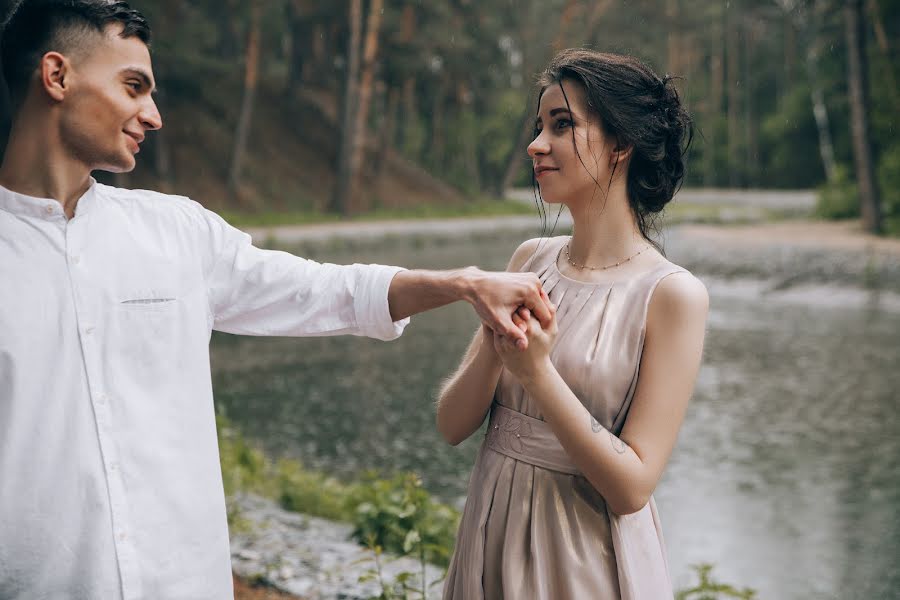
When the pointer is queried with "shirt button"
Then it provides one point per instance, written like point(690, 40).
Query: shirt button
point(49, 209)
point(76, 260)
point(89, 330)
point(101, 399)
point(113, 466)
point(121, 535)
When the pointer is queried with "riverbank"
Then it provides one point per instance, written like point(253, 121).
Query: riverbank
point(785, 254)
point(768, 264)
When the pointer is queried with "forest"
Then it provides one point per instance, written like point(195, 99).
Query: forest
point(345, 107)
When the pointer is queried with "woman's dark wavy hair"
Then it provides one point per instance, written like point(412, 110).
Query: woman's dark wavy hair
point(638, 109)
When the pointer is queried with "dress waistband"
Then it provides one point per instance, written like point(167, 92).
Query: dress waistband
point(525, 438)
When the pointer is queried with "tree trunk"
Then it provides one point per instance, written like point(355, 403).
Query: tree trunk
point(790, 56)
point(345, 169)
point(298, 46)
point(162, 153)
point(884, 47)
point(751, 126)
point(388, 133)
point(674, 42)
point(857, 85)
point(808, 29)
point(410, 116)
point(251, 77)
point(370, 51)
point(516, 156)
point(734, 81)
point(717, 84)
point(817, 97)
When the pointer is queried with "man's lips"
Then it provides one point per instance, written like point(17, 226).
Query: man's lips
point(136, 139)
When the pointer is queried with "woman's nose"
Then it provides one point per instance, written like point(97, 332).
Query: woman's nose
point(538, 146)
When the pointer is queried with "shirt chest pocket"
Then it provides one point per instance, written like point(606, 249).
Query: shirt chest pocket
point(155, 314)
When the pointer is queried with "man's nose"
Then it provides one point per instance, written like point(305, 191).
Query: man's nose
point(150, 117)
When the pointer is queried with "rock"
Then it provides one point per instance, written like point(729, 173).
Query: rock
point(312, 557)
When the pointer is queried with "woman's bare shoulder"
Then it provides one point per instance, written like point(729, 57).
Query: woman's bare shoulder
point(529, 249)
point(679, 296)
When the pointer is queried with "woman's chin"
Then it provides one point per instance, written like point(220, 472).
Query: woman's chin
point(550, 198)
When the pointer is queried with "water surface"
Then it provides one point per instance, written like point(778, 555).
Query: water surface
point(786, 472)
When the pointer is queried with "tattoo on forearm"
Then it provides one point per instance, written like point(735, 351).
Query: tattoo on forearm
point(596, 427)
point(617, 444)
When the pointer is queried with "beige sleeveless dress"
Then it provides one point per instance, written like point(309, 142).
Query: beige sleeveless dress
point(533, 528)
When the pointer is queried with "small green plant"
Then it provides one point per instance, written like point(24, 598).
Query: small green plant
point(401, 588)
point(401, 517)
point(708, 589)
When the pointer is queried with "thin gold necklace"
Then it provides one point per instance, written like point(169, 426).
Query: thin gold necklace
point(621, 262)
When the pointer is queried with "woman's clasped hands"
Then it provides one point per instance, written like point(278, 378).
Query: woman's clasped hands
point(527, 363)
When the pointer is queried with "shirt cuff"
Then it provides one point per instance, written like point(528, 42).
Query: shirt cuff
point(373, 312)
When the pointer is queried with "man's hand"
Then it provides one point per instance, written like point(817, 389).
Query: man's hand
point(499, 300)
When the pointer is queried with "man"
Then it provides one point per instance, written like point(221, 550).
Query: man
point(109, 477)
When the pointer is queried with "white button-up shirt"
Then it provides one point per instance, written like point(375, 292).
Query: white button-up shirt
point(110, 484)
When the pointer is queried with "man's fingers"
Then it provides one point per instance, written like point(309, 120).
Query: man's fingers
point(509, 329)
point(523, 312)
point(520, 322)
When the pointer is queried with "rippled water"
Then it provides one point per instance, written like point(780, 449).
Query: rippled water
point(786, 473)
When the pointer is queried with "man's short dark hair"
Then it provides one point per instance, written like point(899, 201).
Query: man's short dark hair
point(36, 27)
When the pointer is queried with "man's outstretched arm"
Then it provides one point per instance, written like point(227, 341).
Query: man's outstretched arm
point(494, 296)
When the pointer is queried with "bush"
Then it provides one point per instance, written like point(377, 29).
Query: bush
point(889, 183)
point(399, 515)
point(396, 514)
point(707, 589)
point(838, 199)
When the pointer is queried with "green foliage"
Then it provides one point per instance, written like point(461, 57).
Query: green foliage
point(708, 589)
point(838, 199)
point(399, 515)
point(889, 183)
point(395, 514)
point(789, 140)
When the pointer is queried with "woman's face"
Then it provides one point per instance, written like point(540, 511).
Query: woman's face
point(561, 129)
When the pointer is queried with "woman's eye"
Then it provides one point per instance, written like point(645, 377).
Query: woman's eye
point(563, 123)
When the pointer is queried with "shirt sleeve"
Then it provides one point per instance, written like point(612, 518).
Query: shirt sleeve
point(253, 291)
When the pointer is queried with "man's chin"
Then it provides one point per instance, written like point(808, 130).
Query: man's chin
point(124, 165)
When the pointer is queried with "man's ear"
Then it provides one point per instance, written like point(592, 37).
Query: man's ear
point(55, 73)
point(620, 154)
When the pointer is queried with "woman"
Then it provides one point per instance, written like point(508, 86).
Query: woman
point(583, 421)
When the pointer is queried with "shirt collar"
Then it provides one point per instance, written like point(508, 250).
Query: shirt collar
point(44, 208)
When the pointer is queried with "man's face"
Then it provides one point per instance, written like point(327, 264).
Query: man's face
point(109, 107)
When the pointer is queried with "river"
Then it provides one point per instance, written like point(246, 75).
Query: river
point(785, 476)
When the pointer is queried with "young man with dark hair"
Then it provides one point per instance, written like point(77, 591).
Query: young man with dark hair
point(110, 485)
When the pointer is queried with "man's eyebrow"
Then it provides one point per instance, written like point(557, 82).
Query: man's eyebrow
point(143, 75)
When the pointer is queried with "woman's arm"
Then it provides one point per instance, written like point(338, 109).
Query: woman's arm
point(625, 469)
point(466, 397)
